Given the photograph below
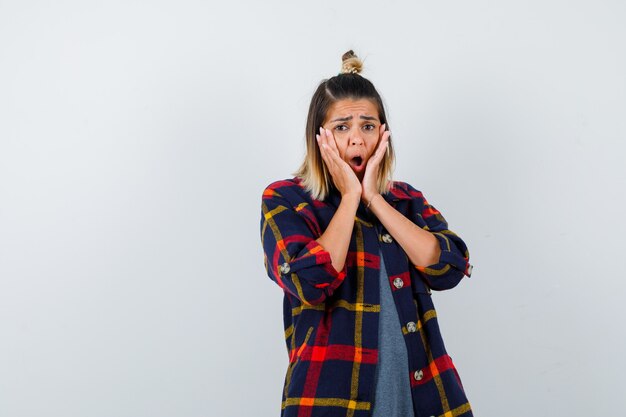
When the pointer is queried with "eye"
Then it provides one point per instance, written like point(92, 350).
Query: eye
point(341, 128)
point(369, 127)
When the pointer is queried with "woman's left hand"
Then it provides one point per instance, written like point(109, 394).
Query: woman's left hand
point(370, 177)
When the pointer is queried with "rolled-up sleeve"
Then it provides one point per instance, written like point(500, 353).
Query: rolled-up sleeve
point(293, 258)
point(453, 262)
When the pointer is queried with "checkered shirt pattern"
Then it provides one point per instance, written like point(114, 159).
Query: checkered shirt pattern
point(331, 317)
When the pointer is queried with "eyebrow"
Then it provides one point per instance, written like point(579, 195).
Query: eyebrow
point(345, 119)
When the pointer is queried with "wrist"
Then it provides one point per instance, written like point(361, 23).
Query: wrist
point(351, 197)
point(368, 202)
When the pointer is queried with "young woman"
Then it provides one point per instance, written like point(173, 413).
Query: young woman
point(357, 255)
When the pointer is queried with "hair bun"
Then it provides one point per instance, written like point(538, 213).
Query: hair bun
point(351, 64)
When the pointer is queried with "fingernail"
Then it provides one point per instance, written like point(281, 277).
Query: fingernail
point(317, 137)
point(321, 129)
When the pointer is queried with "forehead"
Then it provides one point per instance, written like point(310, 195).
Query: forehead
point(349, 107)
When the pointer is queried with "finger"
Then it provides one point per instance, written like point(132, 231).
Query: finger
point(384, 134)
point(332, 141)
point(334, 156)
point(384, 144)
point(324, 152)
point(335, 162)
point(322, 136)
point(328, 159)
point(326, 139)
point(332, 147)
point(383, 130)
point(381, 149)
point(385, 140)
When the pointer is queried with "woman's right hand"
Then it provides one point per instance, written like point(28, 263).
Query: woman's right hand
point(344, 178)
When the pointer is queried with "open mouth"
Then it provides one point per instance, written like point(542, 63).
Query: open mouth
point(356, 162)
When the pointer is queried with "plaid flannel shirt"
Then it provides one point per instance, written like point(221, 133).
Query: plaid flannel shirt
point(331, 317)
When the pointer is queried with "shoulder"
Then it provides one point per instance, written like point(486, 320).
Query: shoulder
point(404, 191)
point(289, 189)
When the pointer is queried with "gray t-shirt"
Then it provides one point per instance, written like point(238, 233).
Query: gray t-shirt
point(393, 388)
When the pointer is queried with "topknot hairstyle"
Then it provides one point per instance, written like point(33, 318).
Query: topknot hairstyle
point(350, 63)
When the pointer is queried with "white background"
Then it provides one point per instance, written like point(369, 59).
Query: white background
point(136, 138)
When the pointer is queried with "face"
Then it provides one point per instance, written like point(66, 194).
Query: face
point(356, 127)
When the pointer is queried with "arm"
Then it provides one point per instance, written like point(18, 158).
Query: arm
point(436, 252)
point(453, 263)
point(294, 259)
point(336, 238)
point(439, 255)
point(301, 259)
point(420, 246)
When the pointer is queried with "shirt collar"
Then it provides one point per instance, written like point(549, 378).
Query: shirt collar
point(395, 194)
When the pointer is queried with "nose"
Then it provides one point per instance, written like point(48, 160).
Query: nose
point(356, 139)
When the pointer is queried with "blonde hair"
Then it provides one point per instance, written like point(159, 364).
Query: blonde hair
point(348, 84)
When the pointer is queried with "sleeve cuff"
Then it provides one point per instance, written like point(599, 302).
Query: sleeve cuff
point(314, 255)
point(450, 257)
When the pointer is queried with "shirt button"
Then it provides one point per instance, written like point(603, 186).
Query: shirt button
point(284, 268)
point(418, 375)
point(387, 238)
point(410, 327)
point(398, 282)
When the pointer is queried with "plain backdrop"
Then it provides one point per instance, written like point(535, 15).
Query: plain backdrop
point(136, 138)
